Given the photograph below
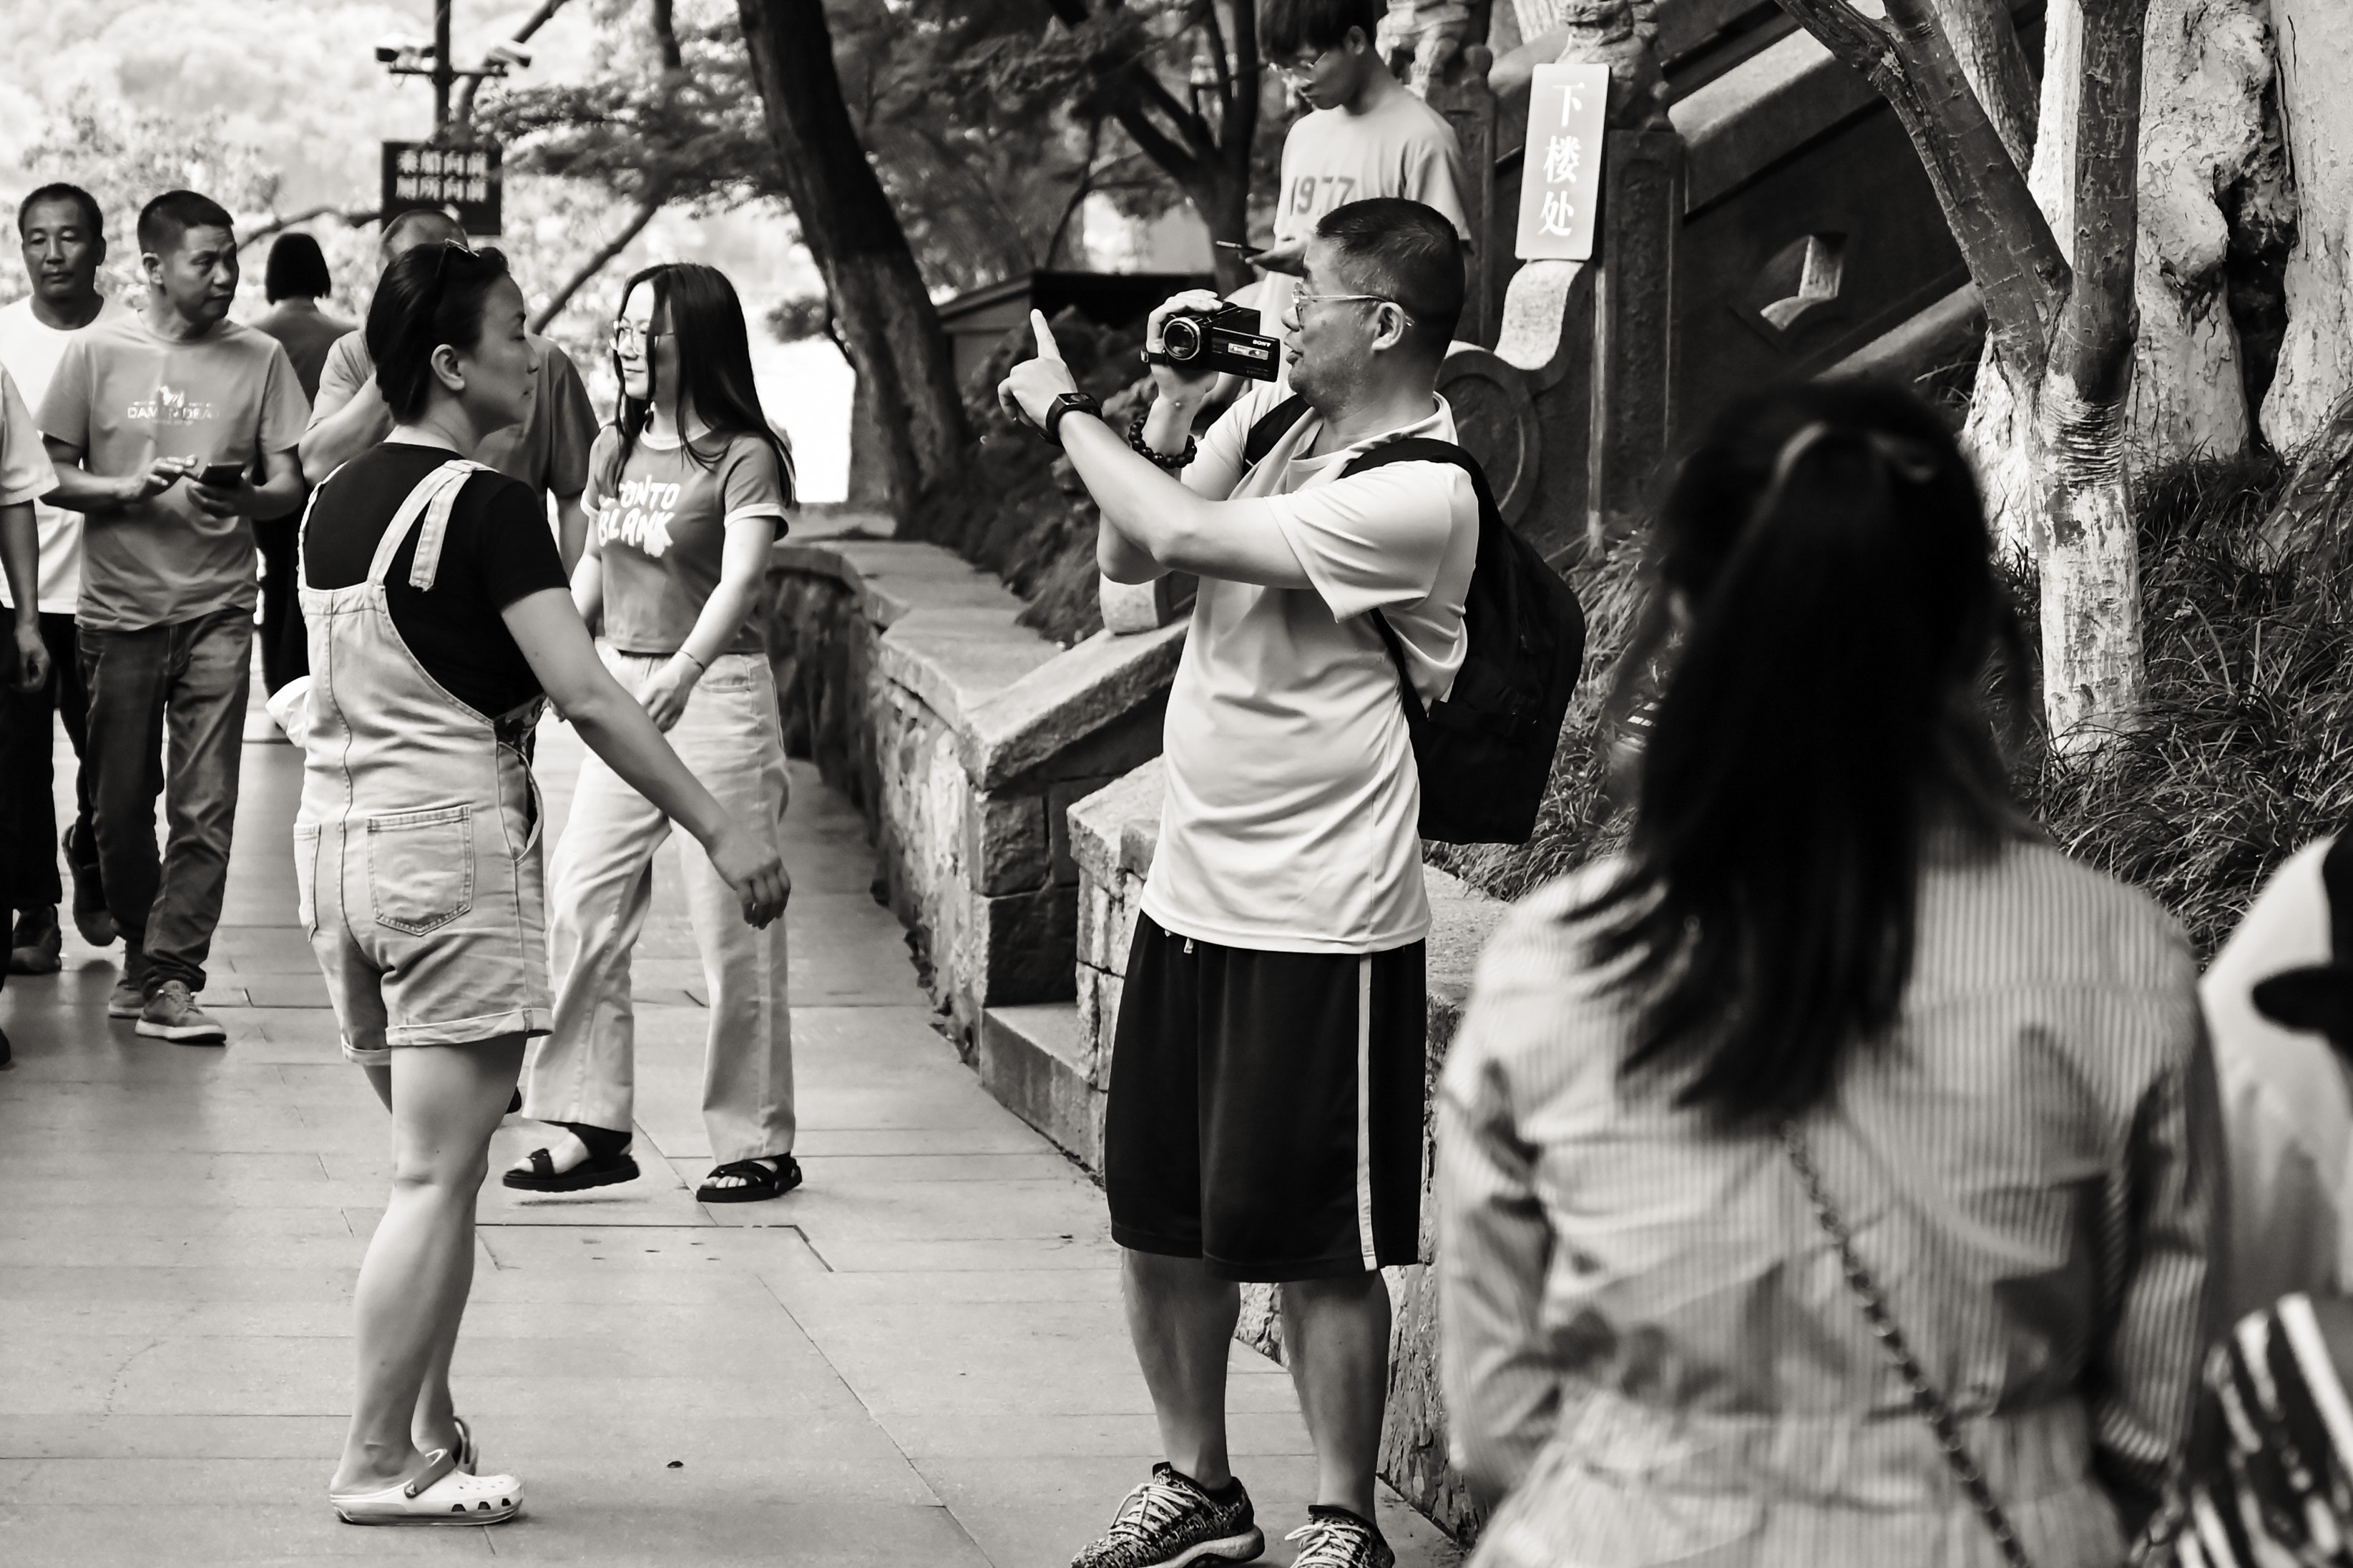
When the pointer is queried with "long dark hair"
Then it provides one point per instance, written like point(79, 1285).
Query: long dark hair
point(432, 295)
point(714, 360)
point(1826, 555)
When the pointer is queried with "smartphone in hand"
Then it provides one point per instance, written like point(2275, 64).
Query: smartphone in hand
point(222, 475)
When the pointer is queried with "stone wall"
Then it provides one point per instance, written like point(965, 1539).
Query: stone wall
point(963, 738)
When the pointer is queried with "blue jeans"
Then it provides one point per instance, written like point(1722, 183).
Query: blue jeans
point(187, 680)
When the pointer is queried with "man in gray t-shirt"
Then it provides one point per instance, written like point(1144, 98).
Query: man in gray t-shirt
point(142, 414)
point(548, 451)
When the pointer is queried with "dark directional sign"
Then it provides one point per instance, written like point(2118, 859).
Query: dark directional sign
point(467, 180)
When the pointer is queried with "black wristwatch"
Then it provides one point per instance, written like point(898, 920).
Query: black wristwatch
point(1068, 402)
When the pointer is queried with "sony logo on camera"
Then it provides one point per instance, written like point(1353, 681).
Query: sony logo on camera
point(1226, 341)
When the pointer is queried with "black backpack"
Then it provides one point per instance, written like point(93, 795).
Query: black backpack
point(1485, 753)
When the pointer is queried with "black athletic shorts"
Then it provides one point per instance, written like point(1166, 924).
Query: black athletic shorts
point(1266, 1108)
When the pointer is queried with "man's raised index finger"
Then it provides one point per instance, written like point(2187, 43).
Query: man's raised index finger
point(1046, 347)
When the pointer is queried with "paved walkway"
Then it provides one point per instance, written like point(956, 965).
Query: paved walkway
point(918, 1358)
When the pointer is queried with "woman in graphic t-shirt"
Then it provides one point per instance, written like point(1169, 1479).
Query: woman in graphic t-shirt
point(686, 492)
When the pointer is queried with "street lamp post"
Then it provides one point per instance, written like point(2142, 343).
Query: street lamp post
point(406, 57)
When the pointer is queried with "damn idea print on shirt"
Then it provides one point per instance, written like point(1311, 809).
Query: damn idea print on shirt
point(638, 515)
point(168, 407)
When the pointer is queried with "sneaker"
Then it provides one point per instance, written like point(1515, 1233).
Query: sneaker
point(173, 1015)
point(92, 917)
point(37, 947)
point(128, 999)
point(1169, 1521)
point(1337, 1538)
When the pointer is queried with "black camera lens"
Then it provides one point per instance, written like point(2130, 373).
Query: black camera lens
point(1181, 339)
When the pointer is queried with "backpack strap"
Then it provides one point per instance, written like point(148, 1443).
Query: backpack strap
point(1413, 449)
point(1271, 427)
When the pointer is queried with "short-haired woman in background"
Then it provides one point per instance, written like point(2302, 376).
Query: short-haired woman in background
point(687, 491)
point(294, 282)
point(439, 620)
point(1840, 1048)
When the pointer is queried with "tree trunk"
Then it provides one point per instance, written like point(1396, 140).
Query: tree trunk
point(2092, 670)
point(2203, 138)
point(878, 297)
point(2315, 39)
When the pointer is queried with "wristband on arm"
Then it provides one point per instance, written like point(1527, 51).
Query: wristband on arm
point(1067, 403)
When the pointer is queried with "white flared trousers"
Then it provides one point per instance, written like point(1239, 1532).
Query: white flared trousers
point(600, 887)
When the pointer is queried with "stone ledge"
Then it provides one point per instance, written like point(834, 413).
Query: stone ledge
point(1117, 827)
point(957, 658)
point(1033, 1061)
point(1087, 688)
point(894, 578)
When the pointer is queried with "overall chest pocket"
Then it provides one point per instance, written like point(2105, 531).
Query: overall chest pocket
point(421, 869)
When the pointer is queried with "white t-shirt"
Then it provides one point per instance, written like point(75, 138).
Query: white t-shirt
point(1331, 157)
point(29, 350)
point(1289, 821)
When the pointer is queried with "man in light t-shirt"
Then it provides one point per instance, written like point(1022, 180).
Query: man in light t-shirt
point(548, 451)
point(1367, 134)
point(64, 241)
point(1266, 1109)
point(155, 424)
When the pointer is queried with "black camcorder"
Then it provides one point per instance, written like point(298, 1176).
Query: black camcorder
point(1223, 341)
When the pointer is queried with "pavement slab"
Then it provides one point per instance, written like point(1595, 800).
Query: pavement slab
point(919, 1357)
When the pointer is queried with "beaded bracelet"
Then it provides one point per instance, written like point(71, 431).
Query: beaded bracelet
point(1168, 464)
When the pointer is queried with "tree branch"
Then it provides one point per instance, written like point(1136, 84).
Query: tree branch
point(666, 36)
point(1985, 39)
point(352, 217)
point(2092, 348)
point(2012, 257)
point(656, 190)
point(461, 109)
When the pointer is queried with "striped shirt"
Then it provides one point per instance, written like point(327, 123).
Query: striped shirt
point(1644, 1321)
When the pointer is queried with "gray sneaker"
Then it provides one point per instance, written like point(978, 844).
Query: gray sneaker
point(1337, 1538)
point(173, 1015)
point(127, 1000)
point(1169, 1521)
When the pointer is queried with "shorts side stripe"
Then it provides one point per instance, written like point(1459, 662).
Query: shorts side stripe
point(1365, 1111)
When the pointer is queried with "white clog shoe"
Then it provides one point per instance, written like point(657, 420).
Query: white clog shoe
point(439, 1493)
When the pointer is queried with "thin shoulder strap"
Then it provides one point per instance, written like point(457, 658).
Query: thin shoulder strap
point(1272, 427)
point(430, 500)
point(1928, 1400)
point(1415, 449)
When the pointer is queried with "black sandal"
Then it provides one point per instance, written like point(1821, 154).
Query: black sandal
point(543, 1177)
point(759, 1182)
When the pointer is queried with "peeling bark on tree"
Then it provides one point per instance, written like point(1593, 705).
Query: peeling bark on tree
point(2314, 40)
point(2209, 67)
point(2060, 322)
point(882, 309)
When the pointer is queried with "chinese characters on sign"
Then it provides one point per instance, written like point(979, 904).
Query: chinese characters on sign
point(469, 179)
point(1560, 180)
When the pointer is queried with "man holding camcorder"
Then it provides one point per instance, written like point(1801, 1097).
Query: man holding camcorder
point(1265, 1119)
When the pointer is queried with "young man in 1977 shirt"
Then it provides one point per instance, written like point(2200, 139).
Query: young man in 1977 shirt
point(1266, 1099)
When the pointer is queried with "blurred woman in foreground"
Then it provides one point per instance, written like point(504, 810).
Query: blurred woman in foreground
point(1828, 1179)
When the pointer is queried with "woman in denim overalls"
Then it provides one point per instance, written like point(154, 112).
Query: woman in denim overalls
point(418, 861)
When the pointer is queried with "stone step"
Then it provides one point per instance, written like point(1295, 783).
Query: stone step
point(1033, 1058)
